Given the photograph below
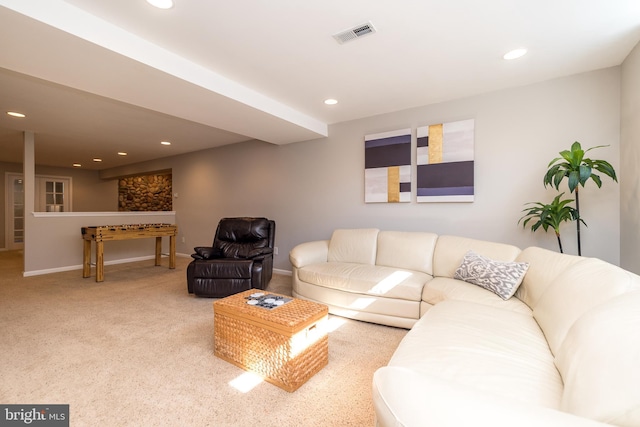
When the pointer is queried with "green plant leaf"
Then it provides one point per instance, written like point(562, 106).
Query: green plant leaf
point(550, 215)
point(567, 155)
point(584, 172)
point(574, 180)
point(597, 146)
point(577, 168)
point(557, 177)
point(553, 161)
point(606, 168)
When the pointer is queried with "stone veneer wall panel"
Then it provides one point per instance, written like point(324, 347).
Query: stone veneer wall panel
point(145, 193)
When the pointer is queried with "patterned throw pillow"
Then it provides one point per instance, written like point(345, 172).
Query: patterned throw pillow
point(501, 278)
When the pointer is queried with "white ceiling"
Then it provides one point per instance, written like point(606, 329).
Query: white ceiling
point(96, 77)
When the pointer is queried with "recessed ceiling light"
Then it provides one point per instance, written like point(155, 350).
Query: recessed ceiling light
point(331, 101)
point(77, 165)
point(161, 4)
point(15, 114)
point(121, 153)
point(514, 54)
point(97, 160)
point(165, 143)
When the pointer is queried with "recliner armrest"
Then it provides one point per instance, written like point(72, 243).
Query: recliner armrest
point(259, 253)
point(204, 252)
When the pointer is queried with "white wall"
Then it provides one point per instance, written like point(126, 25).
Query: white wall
point(311, 188)
point(630, 159)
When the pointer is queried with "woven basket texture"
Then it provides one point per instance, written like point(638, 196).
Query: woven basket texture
point(286, 345)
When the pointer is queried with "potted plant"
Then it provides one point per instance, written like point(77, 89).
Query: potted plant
point(578, 169)
point(550, 215)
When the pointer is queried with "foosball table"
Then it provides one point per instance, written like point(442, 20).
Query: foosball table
point(103, 233)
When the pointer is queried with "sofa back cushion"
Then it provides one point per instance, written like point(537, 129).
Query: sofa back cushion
point(575, 291)
point(450, 251)
point(354, 245)
point(406, 250)
point(598, 361)
point(544, 267)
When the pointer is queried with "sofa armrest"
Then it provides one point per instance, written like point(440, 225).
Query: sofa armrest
point(309, 253)
point(403, 397)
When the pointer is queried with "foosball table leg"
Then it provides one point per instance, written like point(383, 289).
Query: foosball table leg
point(158, 250)
point(172, 251)
point(100, 261)
point(86, 259)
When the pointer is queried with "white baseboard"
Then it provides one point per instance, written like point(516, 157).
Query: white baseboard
point(118, 261)
point(79, 266)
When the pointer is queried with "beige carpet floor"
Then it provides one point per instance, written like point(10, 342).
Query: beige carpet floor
point(137, 350)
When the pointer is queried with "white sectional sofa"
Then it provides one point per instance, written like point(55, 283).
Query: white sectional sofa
point(563, 351)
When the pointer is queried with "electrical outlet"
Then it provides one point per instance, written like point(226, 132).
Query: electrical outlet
point(275, 250)
point(183, 239)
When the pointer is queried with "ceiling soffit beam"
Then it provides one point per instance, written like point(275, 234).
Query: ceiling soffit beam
point(75, 21)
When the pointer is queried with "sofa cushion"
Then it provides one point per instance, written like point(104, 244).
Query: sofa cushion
point(450, 251)
point(599, 361)
point(544, 267)
point(408, 250)
point(403, 397)
point(357, 245)
point(492, 350)
point(366, 279)
point(575, 291)
point(501, 278)
point(443, 288)
point(399, 313)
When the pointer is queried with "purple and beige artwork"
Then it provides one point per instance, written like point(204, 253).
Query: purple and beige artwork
point(445, 162)
point(387, 174)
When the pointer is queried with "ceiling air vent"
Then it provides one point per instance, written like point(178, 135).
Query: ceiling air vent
point(354, 33)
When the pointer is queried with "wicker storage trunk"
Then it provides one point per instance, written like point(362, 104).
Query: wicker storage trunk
point(285, 345)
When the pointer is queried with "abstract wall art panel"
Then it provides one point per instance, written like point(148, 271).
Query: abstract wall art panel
point(445, 162)
point(387, 160)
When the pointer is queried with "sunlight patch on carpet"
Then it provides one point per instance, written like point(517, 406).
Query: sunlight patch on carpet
point(246, 382)
point(333, 323)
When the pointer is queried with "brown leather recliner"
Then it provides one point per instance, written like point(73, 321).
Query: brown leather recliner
point(240, 258)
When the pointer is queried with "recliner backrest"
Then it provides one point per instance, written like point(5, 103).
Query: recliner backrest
point(243, 237)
